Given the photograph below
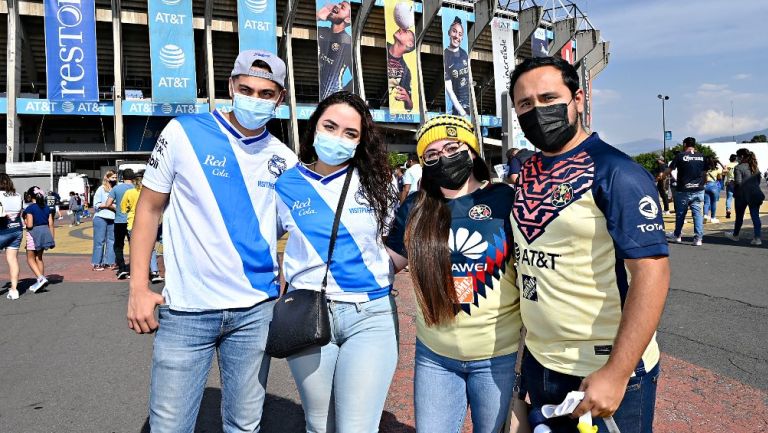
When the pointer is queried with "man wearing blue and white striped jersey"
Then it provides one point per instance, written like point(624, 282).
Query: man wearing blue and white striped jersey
point(212, 179)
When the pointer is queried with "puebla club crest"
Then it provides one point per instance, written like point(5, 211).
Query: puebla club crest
point(276, 165)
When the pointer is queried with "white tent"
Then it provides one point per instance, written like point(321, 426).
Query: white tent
point(724, 150)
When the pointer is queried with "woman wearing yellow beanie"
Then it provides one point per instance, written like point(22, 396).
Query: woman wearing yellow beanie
point(455, 235)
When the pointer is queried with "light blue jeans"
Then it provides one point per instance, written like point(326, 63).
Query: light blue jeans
point(103, 241)
point(694, 200)
point(711, 197)
point(729, 188)
point(344, 384)
point(443, 387)
point(183, 351)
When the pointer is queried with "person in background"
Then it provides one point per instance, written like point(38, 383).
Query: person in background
point(456, 236)
point(689, 193)
point(53, 200)
point(121, 221)
point(76, 206)
point(411, 177)
point(728, 183)
point(40, 235)
point(515, 159)
point(103, 225)
point(662, 182)
point(11, 230)
point(747, 194)
point(712, 188)
point(128, 206)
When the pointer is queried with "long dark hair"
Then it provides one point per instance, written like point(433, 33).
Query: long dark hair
point(370, 158)
point(37, 195)
point(6, 183)
point(748, 157)
point(429, 256)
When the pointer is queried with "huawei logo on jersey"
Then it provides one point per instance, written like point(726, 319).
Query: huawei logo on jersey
point(471, 246)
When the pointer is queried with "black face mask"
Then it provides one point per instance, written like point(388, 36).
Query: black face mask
point(548, 127)
point(450, 173)
point(112, 182)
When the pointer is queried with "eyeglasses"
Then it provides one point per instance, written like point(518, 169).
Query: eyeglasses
point(450, 150)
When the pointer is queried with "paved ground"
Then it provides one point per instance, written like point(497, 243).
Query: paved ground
point(71, 365)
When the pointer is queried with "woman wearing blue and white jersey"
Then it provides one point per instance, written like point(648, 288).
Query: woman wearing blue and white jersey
point(343, 385)
point(455, 235)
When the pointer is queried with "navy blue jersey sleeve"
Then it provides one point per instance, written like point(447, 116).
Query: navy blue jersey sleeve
point(626, 194)
point(514, 166)
point(396, 237)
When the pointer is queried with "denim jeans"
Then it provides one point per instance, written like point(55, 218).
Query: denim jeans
point(694, 199)
point(635, 413)
point(443, 387)
point(729, 188)
point(711, 196)
point(343, 385)
point(754, 212)
point(76, 215)
point(152, 258)
point(103, 241)
point(183, 351)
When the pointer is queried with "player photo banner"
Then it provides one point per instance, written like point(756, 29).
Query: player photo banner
point(256, 25)
point(456, 62)
point(172, 51)
point(503, 57)
point(70, 45)
point(539, 43)
point(403, 83)
point(334, 46)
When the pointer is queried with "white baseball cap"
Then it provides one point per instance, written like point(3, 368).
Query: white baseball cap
point(244, 66)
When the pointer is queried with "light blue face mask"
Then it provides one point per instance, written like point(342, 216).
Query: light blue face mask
point(252, 113)
point(334, 150)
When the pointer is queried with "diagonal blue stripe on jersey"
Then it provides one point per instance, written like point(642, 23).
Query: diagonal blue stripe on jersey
point(215, 154)
point(315, 220)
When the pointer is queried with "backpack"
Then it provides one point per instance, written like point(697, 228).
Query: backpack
point(524, 155)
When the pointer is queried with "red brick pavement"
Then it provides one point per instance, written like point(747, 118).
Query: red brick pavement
point(691, 398)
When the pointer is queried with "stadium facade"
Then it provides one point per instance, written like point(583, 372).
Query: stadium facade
point(87, 83)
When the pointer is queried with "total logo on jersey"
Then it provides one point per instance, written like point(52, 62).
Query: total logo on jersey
point(650, 210)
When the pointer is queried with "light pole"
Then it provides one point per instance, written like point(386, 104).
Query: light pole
point(664, 125)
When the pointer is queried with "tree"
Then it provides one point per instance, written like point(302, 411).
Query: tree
point(757, 139)
point(648, 160)
point(397, 159)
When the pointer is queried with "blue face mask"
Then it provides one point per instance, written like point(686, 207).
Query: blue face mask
point(333, 150)
point(252, 113)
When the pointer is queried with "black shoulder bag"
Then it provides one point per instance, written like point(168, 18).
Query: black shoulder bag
point(300, 317)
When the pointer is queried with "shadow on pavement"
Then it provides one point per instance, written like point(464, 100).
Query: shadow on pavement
point(280, 416)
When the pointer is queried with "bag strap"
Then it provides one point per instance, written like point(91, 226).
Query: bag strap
point(336, 221)
point(519, 363)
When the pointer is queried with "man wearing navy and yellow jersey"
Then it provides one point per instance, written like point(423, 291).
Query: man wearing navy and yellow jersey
point(591, 258)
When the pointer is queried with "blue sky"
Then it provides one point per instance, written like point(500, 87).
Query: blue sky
point(703, 54)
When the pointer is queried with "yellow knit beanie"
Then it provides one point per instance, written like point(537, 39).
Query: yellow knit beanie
point(445, 126)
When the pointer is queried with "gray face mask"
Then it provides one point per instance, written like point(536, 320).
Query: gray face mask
point(548, 127)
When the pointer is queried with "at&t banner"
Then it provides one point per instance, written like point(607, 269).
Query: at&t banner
point(172, 51)
point(503, 57)
point(402, 78)
point(70, 47)
point(334, 46)
point(256, 25)
point(456, 62)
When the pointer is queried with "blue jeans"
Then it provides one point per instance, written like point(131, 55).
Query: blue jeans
point(76, 214)
point(103, 241)
point(694, 199)
point(754, 212)
point(152, 258)
point(711, 196)
point(443, 387)
point(183, 351)
point(343, 385)
point(729, 188)
point(635, 413)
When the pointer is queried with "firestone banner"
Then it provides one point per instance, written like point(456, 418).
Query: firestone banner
point(172, 51)
point(503, 57)
point(456, 62)
point(70, 49)
point(256, 25)
point(334, 46)
point(402, 78)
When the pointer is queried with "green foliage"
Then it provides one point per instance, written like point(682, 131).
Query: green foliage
point(757, 139)
point(397, 159)
point(647, 160)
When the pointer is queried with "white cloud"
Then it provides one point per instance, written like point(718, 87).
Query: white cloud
point(712, 122)
point(742, 76)
point(604, 96)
